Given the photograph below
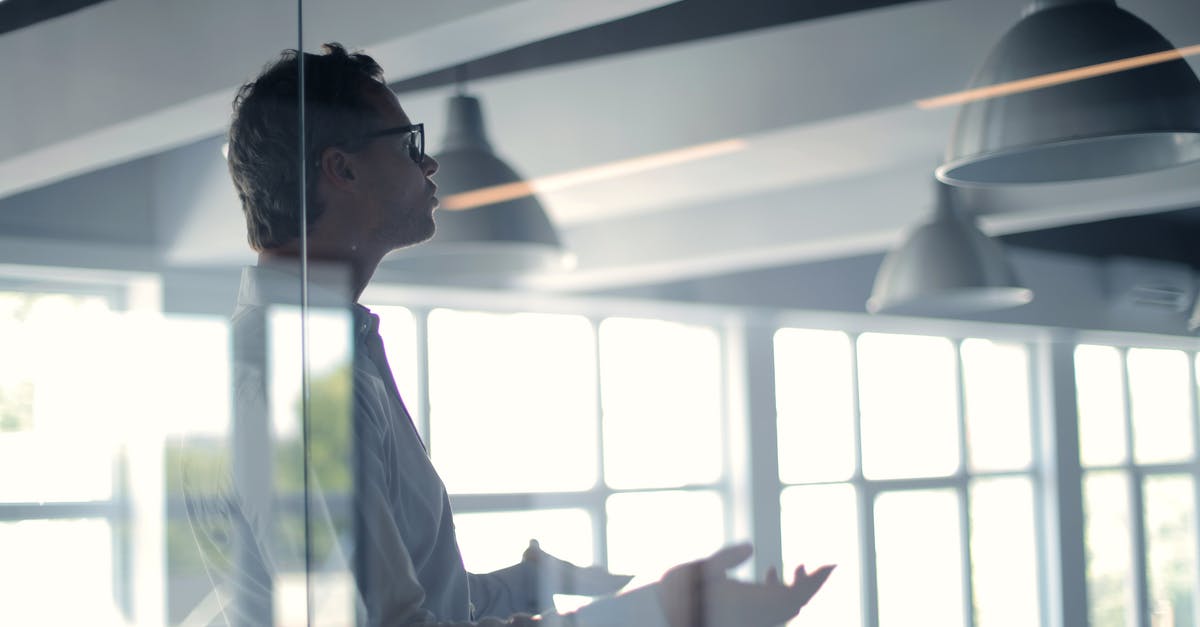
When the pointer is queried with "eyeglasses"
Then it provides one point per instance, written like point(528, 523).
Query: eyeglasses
point(414, 142)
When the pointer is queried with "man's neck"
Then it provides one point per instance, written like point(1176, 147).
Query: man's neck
point(362, 266)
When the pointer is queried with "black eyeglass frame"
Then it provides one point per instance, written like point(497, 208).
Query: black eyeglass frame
point(416, 151)
point(417, 129)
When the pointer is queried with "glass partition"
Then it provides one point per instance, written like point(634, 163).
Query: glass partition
point(338, 312)
point(124, 456)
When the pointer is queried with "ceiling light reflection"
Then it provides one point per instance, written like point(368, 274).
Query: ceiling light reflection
point(606, 171)
point(1055, 78)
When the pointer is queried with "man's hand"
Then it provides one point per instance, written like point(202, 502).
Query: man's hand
point(555, 576)
point(699, 593)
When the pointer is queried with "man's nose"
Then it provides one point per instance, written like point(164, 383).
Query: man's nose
point(429, 166)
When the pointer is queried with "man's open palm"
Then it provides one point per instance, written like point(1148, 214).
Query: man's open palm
point(700, 593)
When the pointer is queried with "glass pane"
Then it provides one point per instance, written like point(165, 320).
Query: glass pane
point(1004, 562)
point(909, 406)
point(1160, 403)
point(62, 398)
point(196, 461)
point(820, 526)
point(493, 540)
point(815, 404)
point(1101, 405)
point(117, 205)
point(278, 519)
point(996, 387)
point(661, 385)
point(202, 383)
point(649, 532)
point(918, 548)
point(512, 382)
point(1109, 549)
point(1171, 549)
point(58, 572)
point(398, 327)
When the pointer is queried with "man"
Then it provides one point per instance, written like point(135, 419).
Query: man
point(370, 191)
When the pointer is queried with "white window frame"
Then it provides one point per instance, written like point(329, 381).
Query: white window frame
point(594, 499)
point(1136, 473)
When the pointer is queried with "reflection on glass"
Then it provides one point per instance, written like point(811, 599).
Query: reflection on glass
point(1170, 508)
point(58, 572)
point(398, 328)
point(521, 383)
point(648, 532)
point(1160, 405)
point(1100, 404)
point(1004, 564)
point(1107, 540)
point(820, 526)
point(196, 443)
point(259, 516)
point(996, 389)
point(662, 403)
point(494, 540)
point(908, 399)
point(918, 549)
point(815, 404)
point(318, 599)
point(328, 349)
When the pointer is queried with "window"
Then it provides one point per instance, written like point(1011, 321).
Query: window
point(602, 439)
point(61, 415)
point(1137, 445)
point(196, 457)
point(513, 394)
point(908, 461)
point(663, 416)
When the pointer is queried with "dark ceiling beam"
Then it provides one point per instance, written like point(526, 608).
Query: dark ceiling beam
point(17, 14)
point(688, 20)
point(1168, 236)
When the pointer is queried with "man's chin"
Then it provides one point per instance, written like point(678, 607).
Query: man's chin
point(419, 234)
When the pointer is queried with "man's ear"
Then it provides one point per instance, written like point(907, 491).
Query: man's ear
point(337, 166)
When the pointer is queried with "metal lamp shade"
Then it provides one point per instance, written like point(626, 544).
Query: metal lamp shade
point(946, 267)
point(506, 238)
point(1127, 122)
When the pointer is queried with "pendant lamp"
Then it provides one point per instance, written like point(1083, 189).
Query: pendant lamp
point(1120, 122)
point(507, 238)
point(946, 267)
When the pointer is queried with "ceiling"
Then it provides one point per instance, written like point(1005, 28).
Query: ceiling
point(17, 14)
point(112, 144)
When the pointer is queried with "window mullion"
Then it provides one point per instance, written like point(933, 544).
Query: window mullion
point(964, 499)
point(1061, 479)
point(1137, 523)
point(865, 493)
point(421, 348)
point(762, 437)
point(599, 512)
point(1193, 403)
point(1040, 418)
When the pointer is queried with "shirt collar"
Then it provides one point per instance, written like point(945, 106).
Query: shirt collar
point(366, 323)
point(278, 283)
